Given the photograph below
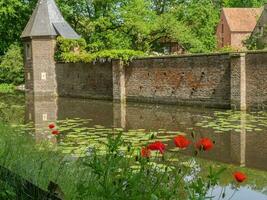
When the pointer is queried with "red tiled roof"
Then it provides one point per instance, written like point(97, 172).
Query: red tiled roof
point(242, 19)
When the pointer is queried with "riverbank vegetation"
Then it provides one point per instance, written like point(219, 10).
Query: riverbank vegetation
point(148, 172)
point(11, 69)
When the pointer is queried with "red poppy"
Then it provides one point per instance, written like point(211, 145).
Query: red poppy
point(51, 126)
point(157, 146)
point(205, 143)
point(240, 177)
point(145, 152)
point(55, 132)
point(181, 142)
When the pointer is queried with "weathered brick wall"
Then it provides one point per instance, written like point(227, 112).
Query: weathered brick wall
point(28, 67)
point(190, 80)
point(223, 33)
point(211, 80)
point(256, 76)
point(39, 66)
point(85, 80)
point(44, 81)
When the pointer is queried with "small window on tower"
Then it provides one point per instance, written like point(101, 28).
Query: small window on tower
point(28, 51)
point(43, 75)
point(44, 117)
point(222, 29)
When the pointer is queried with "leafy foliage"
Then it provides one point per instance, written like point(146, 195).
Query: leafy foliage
point(68, 45)
point(139, 24)
point(7, 88)
point(243, 3)
point(257, 41)
point(124, 24)
point(11, 66)
point(14, 15)
point(66, 52)
point(116, 25)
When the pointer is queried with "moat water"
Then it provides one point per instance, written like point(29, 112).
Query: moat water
point(240, 137)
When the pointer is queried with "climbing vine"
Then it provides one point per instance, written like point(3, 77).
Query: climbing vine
point(74, 50)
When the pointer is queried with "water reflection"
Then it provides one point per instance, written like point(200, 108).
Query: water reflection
point(41, 111)
point(236, 147)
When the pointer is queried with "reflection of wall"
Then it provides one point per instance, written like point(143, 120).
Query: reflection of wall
point(241, 148)
point(41, 111)
point(150, 116)
point(256, 150)
point(101, 112)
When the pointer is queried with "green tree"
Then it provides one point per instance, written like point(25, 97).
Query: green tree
point(243, 3)
point(202, 17)
point(168, 26)
point(11, 67)
point(14, 15)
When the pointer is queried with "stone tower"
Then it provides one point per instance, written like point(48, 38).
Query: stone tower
point(39, 38)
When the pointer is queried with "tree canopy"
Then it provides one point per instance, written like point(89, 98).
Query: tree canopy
point(128, 24)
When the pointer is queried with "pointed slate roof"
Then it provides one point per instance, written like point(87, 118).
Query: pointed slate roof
point(47, 20)
point(242, 19)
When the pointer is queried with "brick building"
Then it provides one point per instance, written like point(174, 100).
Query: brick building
point(236, 25)
point(39, 38)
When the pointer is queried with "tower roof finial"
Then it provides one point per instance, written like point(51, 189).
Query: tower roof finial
point(47, 20)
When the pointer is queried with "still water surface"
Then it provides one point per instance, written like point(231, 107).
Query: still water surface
point(240, 138)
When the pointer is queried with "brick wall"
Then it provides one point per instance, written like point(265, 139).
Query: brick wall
point(85, 80)
point(40, 65)
point(223, 33)
point(256, 76)
point(43, 66)
point(190, 80)
point(211, 80)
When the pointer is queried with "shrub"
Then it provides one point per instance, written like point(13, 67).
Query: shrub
point(227, 49)
point(7, 88)
point(73, 50)
point(11, 67)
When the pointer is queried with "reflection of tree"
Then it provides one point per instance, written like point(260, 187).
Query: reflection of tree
point(12, 108)
point(257, 179)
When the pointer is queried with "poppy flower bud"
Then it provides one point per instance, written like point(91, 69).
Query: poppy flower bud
point(204, 144)
point(51, 126)
point(55, 132)
point(240, 177)
point(181, 142)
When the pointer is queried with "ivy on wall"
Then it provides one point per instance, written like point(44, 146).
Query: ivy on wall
point(257, 41)
point(74, 50)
